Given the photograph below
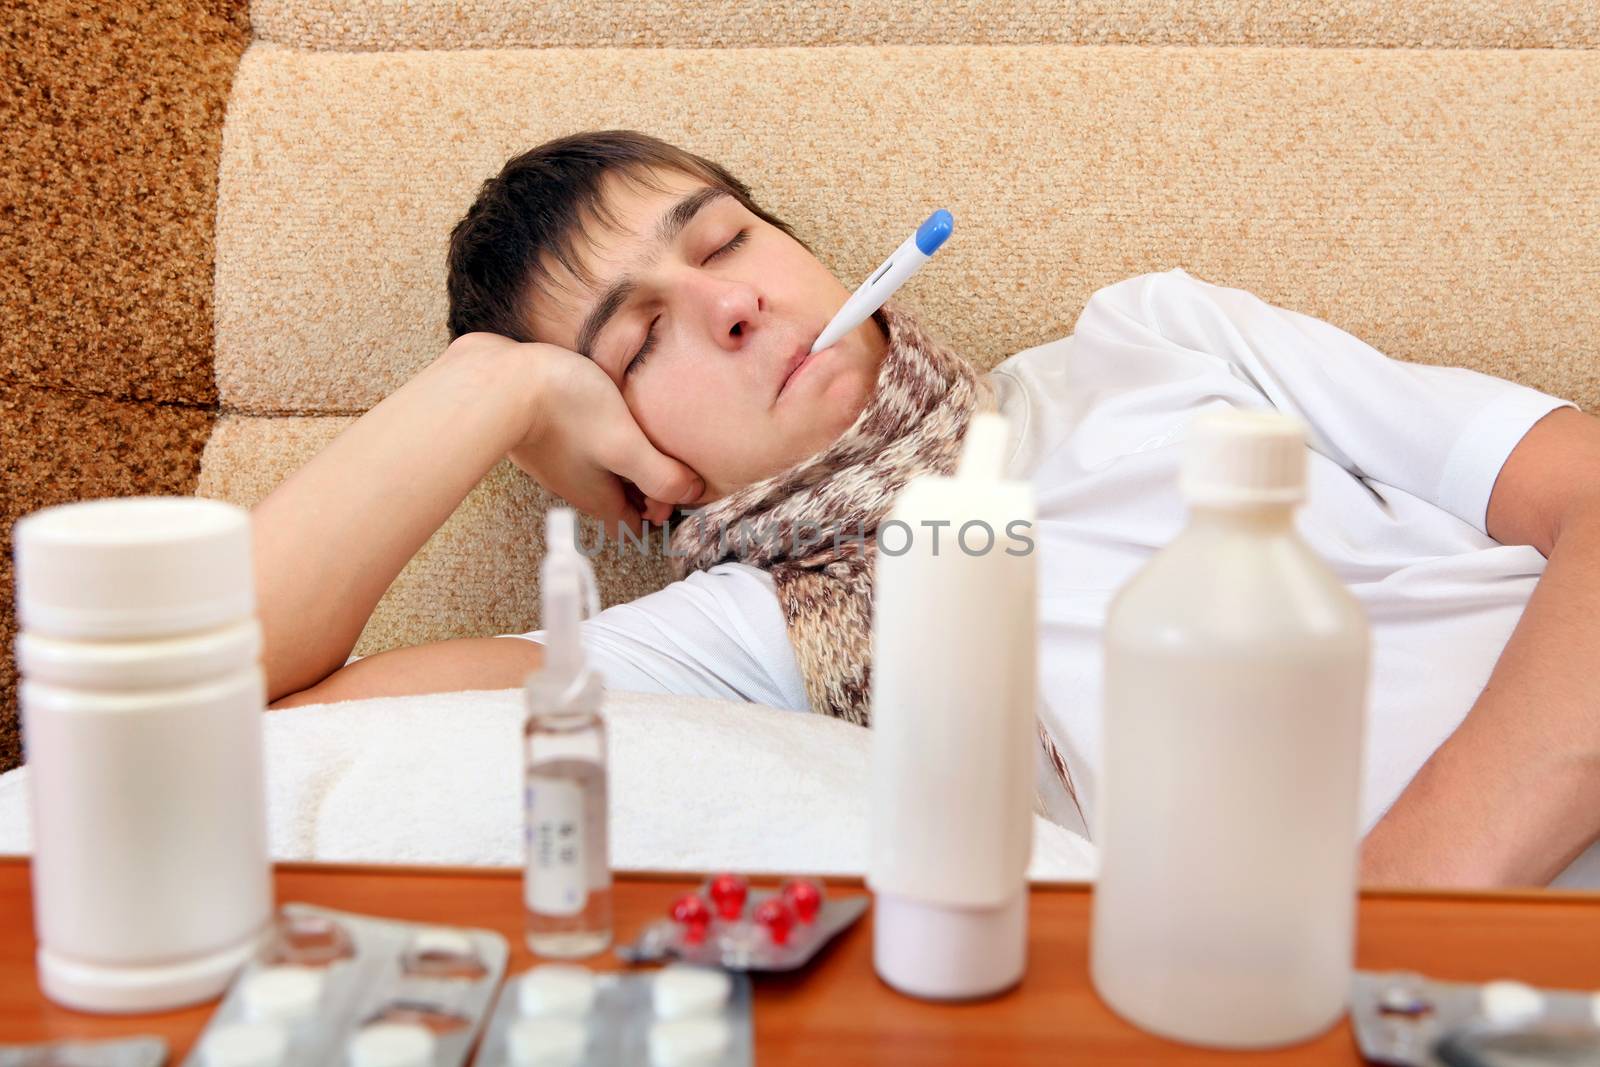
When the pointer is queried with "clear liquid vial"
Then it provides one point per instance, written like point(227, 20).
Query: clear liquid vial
point(567, 876)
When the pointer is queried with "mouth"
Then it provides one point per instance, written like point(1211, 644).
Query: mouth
point(801, 358)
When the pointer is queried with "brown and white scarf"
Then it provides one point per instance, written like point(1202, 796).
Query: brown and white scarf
point(829, 507)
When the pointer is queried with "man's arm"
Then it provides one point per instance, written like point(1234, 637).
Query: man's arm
point(332, 537)
point(1513, 795)
point(440, 667)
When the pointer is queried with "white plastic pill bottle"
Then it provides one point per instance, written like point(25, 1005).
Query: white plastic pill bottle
point(1229, 813)
point(142, 695)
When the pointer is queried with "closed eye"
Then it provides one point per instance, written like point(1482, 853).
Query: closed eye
point(738, 239)
point(644, 349)
point(649, 343)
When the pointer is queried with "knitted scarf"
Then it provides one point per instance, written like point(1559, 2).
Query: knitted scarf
point(814, 526)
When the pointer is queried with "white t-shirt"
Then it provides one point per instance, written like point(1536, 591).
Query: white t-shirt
point(1403, 458)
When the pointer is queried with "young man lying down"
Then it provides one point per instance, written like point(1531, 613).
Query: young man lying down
point(630, 330)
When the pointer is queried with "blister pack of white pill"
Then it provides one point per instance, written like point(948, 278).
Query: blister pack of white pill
point(332, 989)
point(1407, 1020)
point(564, 1015)
point(122, 1052)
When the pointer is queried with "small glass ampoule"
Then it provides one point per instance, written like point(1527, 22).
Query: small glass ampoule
point(567, 883)
point(567, 876)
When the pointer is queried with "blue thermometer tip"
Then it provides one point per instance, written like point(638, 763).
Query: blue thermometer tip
point(932, 233)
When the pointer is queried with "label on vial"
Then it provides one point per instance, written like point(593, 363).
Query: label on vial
point(557, 877)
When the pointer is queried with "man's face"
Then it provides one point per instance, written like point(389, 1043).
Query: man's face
point(703, 343)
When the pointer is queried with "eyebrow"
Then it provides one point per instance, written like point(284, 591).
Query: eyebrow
point(671, 224)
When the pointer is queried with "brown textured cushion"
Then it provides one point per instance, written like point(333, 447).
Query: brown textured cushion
point(113, 118)
point(58, 446)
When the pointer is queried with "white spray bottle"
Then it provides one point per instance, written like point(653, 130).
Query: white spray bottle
point(953, 704)
point(567, 878)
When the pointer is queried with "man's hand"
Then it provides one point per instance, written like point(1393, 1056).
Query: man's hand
point(582, 442)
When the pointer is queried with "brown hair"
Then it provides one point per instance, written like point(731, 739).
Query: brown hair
point(538, 206)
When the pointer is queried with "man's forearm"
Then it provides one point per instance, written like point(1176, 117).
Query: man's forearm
point(1514, 794)
point(332, 537)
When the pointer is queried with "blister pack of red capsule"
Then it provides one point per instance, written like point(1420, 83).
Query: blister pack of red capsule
point(331, 989)
point(122, 1052)
point(564, 1015)
point(1406, 1020)
point(727, 923)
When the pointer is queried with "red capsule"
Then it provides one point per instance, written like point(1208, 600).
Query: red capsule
point(728, 893)
point(777, 918)
point(691, 913)
point(804, 896)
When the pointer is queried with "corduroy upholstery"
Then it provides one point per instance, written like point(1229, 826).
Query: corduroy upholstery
point(112, 121)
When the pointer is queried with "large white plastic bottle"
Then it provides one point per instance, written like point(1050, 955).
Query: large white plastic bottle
point(1228, 823)
point(142, 697)
point(953, 704)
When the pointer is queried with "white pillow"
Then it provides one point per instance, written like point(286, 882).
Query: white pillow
point(696, 785)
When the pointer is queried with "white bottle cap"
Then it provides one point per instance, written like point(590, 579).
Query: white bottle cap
point(556, 989)
point(546, 1042)
point(689, 1042)
point(245, 1045)
point(682, 989)
point(1239, 457)
point(133, 567)
point(281, 994)
point(392, 1045)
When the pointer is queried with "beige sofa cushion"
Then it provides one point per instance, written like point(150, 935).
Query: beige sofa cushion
point(1438, 203)
point(354, 25)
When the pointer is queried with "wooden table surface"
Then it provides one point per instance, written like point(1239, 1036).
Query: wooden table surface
point(837, 1012)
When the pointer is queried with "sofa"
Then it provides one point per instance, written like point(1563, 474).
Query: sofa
point(225, 225)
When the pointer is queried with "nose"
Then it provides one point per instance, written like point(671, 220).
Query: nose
point(734, 311)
